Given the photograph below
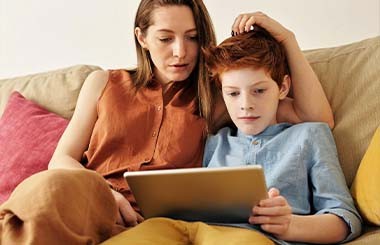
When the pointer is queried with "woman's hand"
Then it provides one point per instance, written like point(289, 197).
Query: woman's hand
point(244, 22)
point(126, 216)
point(273, 214)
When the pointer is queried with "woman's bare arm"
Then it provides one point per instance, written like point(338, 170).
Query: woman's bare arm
point(76, 137)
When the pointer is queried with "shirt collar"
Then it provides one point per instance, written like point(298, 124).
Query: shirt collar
point(269, 131)
point(154, 84)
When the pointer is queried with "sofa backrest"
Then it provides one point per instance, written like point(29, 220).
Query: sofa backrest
point(56, 90)
point(350, 76)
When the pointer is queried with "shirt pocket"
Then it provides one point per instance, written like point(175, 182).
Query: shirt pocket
point(286, 171)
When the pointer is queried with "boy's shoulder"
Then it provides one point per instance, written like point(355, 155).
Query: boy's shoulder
point(311, 126)
point(314, 131)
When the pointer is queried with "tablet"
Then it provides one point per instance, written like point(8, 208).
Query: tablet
point(220, 195)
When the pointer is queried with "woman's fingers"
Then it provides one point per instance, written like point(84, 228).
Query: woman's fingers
point(235, 26)
point(244, 22)
point(119, 219)
point(139, 218)
point(128, 213)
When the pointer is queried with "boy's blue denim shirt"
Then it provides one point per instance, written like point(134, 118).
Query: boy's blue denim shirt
point(300, 160)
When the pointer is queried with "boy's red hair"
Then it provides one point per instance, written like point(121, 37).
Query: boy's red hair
point(256, 49)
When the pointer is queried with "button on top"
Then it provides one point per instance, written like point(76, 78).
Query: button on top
point(158, 108)
point(255, 142)
point(154, 134)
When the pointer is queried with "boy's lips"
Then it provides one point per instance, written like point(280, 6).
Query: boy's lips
point(248, 118)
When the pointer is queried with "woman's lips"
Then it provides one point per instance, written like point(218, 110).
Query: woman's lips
point(179, 66)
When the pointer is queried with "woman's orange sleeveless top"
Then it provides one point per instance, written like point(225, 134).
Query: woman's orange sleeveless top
point(144, 130)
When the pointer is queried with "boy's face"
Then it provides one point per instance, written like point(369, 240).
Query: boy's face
point(252, 98)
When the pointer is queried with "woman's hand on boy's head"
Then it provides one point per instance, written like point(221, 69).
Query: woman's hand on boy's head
point(273, 214)
point(244, 22)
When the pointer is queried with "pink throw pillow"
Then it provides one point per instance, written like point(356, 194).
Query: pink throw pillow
point(28, 137)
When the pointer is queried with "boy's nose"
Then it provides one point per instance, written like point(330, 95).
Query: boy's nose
point(247, 102)
point(246, 108)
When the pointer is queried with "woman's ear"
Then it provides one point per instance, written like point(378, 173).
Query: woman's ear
point(141, 38)
point(285, 87)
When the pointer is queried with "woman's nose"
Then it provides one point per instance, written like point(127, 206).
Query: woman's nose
point(179, 49)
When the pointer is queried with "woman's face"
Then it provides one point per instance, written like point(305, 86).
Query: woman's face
point(172, 43)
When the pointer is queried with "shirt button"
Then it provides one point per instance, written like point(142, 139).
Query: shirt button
point(158, 108)
point(255, 142)
point(146, 159)
point(154, 134)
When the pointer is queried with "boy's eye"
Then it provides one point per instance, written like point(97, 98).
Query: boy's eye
point(259, 91)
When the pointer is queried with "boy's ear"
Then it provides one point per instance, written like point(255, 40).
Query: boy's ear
point(285, 87)
point(140, 38)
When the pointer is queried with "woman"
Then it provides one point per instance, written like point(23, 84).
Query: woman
point(153, 117)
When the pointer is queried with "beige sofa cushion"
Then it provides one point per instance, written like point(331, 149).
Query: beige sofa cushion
point(57, 90)
point(350, 76)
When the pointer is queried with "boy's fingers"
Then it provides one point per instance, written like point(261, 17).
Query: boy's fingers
point(257, 220)
point(272, 202)
point(275, 229)
point(273, 192)
point(272, 211)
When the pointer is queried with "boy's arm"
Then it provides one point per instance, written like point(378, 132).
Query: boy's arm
point(335, 215)
point(321, 229)
point(274, 216)
point(310, 102)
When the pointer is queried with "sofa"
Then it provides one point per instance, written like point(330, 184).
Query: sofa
point(350, 76)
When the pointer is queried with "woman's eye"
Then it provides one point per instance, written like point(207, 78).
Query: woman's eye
point(165, 39)
point(233, 94)
point(193, 38)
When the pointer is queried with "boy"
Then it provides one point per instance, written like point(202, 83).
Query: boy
point(308, 196)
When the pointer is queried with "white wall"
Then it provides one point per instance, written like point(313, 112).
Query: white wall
point(41, 35)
